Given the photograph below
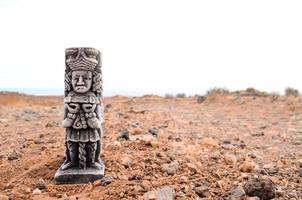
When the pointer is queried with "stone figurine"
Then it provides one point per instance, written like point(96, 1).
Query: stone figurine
point(83, 117)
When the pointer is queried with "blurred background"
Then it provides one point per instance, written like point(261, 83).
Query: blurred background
point(156, 47)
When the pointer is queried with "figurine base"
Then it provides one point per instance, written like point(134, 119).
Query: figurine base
point(77, 176)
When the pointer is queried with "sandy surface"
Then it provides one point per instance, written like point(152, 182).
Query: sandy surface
point(214, 146)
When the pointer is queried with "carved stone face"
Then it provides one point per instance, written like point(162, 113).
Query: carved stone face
point(81, 81)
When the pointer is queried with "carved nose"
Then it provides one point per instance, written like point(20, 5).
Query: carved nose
point(80, 82)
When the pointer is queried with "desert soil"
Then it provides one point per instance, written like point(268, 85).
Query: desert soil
point(205, 150)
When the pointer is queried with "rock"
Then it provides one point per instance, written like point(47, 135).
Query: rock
point(4, 197)
point(201, 99)
point(230, 159)
point(166, 193)
point(300, 172)
point(126, 162)
point(49, 124)
point(9, 186)
point(262, 188)
point(41, 184)
point(124, 134)
point(246, 167)
point(27, 190)
point(50, 187)
point(252, 155)
point(259, 133)
point(202, 191)
point(36, 191)
point(153, 131)
point(106, 180)
point(170, 168)
point(38, 141)
point(271, 169)
point(226, 141)
point(210, 142)
point(237, 194)
point(65, 197)
point(192, 167)
point(12, 155)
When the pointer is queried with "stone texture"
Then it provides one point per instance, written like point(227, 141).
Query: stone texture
point(166, 193)
point(83, 117)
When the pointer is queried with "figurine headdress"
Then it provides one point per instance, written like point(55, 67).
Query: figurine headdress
point(82, 58)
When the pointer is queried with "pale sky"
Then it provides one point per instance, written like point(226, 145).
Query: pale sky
point(158, 46)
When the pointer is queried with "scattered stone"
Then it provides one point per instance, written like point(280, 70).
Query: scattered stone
point(38, 141)
point(230, 159)
point(153, 131)
point(252, 155)
point(50, 187)
point(300, 172)
point(41, 184)
point(51, 124)
point(27, 190)
point(12, 155)
point(246, 167)
point(201, 99)
point(106, 180)
point(215, 155)
point(108, 106)
point(170, 168)
point(65, 197)
point(262, 188)
point(202, 191)
point(271, 169)
point(9, 186)
point(210, 142)
point(4, 197)
point(36, 191)
point(226, 141)
point(124, 134)
point(259, 133)
point(237, 194)
point(126, 162)
point(192, 167)
point(166, 193)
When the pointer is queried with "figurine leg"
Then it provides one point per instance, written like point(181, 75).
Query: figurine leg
point(73, 152)
point(82, 155)
point(91, 151)
point(99, 146)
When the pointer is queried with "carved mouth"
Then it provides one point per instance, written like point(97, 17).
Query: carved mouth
point(81, 87)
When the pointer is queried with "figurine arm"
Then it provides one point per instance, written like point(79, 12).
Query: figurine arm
point(70, 114)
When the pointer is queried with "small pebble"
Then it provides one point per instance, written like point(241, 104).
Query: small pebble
point(170, 168)
point(36, 191)
point(41, 184)
point(12, 155)
point(124, 134)
point(106, 180)
point(153, 131)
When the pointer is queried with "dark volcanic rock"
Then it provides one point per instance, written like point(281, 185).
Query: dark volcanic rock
point(262, 188)
point(124, 134)
point(153, 131)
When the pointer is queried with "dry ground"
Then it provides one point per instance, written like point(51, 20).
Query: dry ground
point(206, 149)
